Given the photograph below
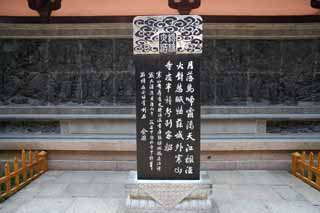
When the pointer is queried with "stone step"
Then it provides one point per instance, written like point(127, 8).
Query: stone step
point(103, 160)
point(218, 152)
point(205, 155)
point(127, 143)
point(128, 112)
point(205, 165)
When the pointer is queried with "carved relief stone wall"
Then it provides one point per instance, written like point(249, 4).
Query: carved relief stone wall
point(100, 72)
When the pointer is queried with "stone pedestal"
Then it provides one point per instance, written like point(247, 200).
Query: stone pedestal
point(164, 196)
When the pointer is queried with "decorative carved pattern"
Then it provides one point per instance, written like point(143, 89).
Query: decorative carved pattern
point(149, 30)
point(166, 195)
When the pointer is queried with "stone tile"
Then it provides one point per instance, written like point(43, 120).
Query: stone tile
point(111, 177)
point(75, 177)
point(226, 177)
point(52, 189)
point(241, 206)
point(258, 177)
point(286, 178)
point(31, 189)
point(292, 207)
point(44, 178)
point(119, 202)
point(115, 190)
point(47, 205)
point(114, 204)
point(221, 194)
point(310, 194)
point(92, 205)
point(54, 173)
point(84, 190)
point(287, 193)
point(16, 201)
point(254, 192)
point(241, 191)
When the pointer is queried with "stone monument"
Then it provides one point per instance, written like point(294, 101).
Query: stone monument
point(167, 52)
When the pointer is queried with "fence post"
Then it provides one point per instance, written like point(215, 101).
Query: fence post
point(318, 175)
point(311, 157)
point(16, 168)
point(8, 177)
point(302, 163)
point(294, 157)
point(30, 164)
point(37, 162)
point(43, 161)
point(24, 168)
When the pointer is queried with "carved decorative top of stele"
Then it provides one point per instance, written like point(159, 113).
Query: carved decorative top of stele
point(181, 34)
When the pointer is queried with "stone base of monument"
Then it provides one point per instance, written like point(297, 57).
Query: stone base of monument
point(162, 196)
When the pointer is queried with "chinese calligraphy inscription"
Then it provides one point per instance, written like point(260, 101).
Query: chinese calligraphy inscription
point(168, 104)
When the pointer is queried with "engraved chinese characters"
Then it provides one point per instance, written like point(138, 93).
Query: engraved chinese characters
point(168, 106)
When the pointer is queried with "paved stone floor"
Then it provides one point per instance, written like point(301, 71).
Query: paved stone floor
point(102, 191)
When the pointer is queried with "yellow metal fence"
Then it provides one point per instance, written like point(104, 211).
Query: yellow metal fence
point(305, 168)
point(30, 166)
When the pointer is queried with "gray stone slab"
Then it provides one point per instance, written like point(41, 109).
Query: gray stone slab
point(241, 206)
point(75, 176)
point(226, 177)
point(115, 190)
point(221, 194)
point(292, 207)
point(127, 127)
point(47, 205)
point(84, 190)
point(16, 201)
point(93, 205)
point(43, 179)
point(254, 193)
point(285, 178)
point(110, 177)
point(54, 173)
point(52, 190)
point(228, 196)
point(312, 195)
point(288, 193)
point(258, 177)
